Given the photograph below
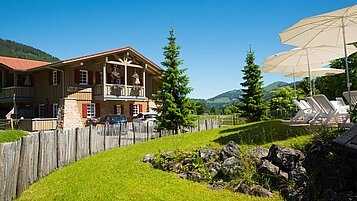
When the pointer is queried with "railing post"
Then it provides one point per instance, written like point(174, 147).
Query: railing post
point(133, 132)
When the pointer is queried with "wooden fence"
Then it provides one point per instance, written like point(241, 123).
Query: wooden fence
point(38, 154)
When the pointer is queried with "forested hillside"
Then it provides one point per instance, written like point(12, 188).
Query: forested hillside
point(10, 48)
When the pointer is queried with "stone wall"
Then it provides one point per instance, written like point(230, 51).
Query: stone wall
point(71, 115)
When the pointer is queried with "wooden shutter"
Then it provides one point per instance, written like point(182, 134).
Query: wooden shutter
point(97, 110)
point(131, 107)
point(109, 78)
point(76, 76)
point(50, 74)
point(90, 77)
point(115, 109)
point(140, 108)
point(97, 78)
point(84, 110)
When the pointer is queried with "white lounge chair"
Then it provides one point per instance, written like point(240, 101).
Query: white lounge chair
point(331, 110)
point(303, 114)
point(319, 112)
point(353, 97)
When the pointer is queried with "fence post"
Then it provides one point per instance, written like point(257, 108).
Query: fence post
point(133, 132)
point(104, 133)
point(147, 131)
point(198, 125)
point(119, 134)
point(206, 124)
point(90, 141)
point(219, 121)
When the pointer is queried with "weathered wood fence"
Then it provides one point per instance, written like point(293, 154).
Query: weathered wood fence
point(38, 154)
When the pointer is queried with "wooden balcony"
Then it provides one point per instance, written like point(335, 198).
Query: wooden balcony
point(38, 124)
point(112, 91)
point(21, 93)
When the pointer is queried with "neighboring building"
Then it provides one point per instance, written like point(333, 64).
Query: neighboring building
point(75, 86)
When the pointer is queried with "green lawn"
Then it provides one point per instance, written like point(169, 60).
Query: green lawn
point(118, 174)
point(11, 135)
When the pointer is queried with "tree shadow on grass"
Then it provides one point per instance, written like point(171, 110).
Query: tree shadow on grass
point(261, 133)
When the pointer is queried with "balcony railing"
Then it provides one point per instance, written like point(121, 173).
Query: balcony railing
point(7, 93)
point(115, 90)
point(38, 124)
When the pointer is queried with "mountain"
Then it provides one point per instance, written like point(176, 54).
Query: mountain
point(10, 48)
point(230, 97)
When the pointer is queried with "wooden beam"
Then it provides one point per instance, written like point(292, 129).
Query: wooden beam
point(124, 63)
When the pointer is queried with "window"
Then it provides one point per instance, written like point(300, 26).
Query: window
point(41, 110)
point(91, 110)
point(83, 77)
point(135, 110)
point(118, 109)
point(54, 77)
point(54, 110)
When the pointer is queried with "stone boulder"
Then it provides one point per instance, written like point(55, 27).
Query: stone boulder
point(187, 161)
point(213, 168)
point(259, 191)
point(230, 150)
point(218, 185)
point(231, 167)
point(209, 154)
point(257, 154)
point(148, 158)
point(285, 158)
point(268, 168)
point(194, 176)
point(299, 176)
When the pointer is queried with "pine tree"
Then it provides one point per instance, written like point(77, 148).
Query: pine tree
point(173, 105)
point(252, 103)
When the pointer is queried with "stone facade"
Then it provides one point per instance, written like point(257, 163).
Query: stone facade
point(71, 116)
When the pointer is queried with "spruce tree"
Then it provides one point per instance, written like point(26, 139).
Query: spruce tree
point(252, 105)
point(174, 107)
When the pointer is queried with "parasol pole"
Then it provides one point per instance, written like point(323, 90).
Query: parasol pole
point(308, 67)
point(294, 84)
point(346, 61)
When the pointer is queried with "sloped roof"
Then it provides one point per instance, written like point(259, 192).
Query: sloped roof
point(21, 64)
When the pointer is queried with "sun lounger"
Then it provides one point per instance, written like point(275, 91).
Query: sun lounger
point(330, 110)
point(319, 112)
point(353, 97)
point(303, 114)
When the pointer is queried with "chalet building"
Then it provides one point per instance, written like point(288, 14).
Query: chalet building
point(119, 81)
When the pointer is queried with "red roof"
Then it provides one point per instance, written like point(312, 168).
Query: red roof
point(21, 64)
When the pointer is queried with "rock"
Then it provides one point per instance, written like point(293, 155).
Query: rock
point(195, 176)
point(243, 188)
point(259, 191)
point(256, 154)
point(269, 168)
point(291, 194)
point(188, 161)
point(167, 153)
point(148, 158)
point(209, 154)
point(218, 185)
point(230, 150)
point(183, 175)
point(213, 168)
point(177, 167)
point(299, 176)
point(285, 158)
point(231, 167)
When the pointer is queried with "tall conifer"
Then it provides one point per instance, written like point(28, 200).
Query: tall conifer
point(252, 105)
point(174, 107)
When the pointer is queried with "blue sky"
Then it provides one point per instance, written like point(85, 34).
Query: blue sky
point(214, 35)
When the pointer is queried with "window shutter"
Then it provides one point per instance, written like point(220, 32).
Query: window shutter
point(36, 112)
point(50, 110)
point(131, 109)
point(50, 77)
point(122, 109)
point(90, 77)
point(140, 108)
point(76, 76)
point(97, 110)
point(58, 77)
point(84, 110)
point(109, 78)
point(115, 109)
point(97, 78)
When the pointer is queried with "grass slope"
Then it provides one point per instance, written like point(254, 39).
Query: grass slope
point(118, 174)
point(11, 135)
